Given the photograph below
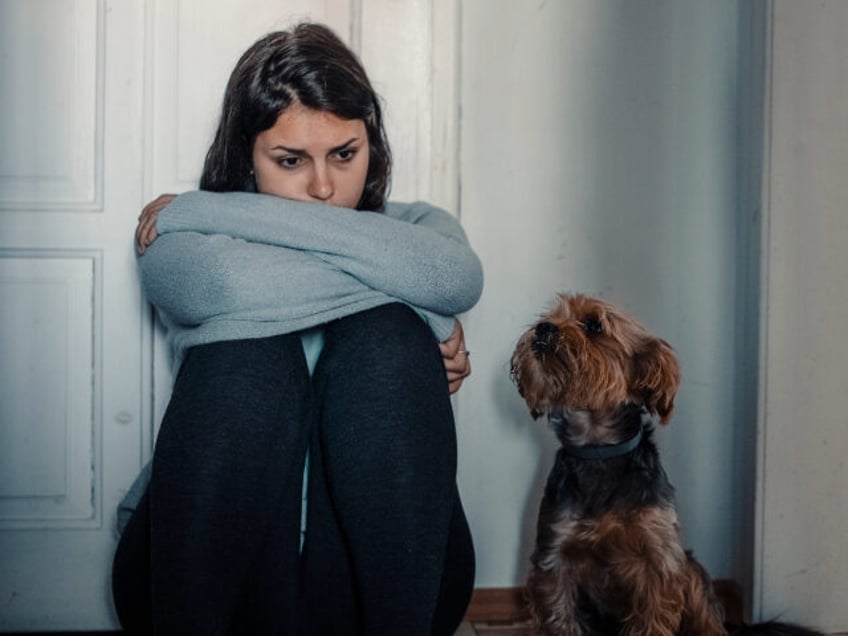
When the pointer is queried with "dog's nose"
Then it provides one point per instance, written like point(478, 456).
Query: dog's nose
point(545, 334)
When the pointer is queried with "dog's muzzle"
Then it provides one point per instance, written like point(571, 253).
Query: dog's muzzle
point(544, 338)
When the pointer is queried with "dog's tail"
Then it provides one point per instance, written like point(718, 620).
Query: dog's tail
point(771, 628)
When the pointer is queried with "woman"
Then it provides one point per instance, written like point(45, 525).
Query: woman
point(270, 260)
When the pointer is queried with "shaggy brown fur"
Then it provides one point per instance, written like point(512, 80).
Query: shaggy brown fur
point(608, 557)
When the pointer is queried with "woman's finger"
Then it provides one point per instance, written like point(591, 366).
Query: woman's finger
point(455, 342)
point(145, 232)
point(458, 373)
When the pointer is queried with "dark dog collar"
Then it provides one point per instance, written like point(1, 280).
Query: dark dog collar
point(600, 451)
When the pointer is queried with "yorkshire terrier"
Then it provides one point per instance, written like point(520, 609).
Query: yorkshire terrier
point(608, 558)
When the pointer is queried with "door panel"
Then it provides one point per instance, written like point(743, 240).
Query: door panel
point(47, 328)
point(50, 82)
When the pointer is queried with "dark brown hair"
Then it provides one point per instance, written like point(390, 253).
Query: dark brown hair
point(308, 64)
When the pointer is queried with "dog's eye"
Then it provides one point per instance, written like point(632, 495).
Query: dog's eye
point(592, 326)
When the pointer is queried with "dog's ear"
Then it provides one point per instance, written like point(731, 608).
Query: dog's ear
point(656, 377)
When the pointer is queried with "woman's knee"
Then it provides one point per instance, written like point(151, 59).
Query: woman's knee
point(391, 339)
point(256, 392)
point(381, 373)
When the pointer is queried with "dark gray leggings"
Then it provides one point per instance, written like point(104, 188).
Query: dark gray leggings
point(214, 545)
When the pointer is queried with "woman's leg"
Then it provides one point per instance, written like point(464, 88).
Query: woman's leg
point(329, 605)
point(457, 576)
point(388, 453)
point(131, 572)
point(225, 492)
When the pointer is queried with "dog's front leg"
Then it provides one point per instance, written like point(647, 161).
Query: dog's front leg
point(654, 583)
point(552, 596)
point(552, 586)
point(704, 614)
point(658, 613)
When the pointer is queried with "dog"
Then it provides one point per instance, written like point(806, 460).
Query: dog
point(608, 557)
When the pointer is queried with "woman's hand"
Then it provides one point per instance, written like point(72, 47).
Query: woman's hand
point(456, 357)
point(145, 232)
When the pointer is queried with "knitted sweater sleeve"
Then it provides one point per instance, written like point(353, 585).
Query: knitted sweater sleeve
point(195, 278)
point(413, 252)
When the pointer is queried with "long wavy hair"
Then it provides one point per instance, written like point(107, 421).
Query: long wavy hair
point(308, 64)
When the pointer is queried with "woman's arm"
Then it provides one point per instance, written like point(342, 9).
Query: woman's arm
point(413, 252)
point(196, 278)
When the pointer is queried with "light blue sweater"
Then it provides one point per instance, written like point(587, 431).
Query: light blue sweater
point(237, 265)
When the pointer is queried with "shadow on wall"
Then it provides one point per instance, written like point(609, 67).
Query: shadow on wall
point(600, 154)
point(665, 205)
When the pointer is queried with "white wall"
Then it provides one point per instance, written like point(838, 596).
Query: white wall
point(802, 554)
point(600, 152)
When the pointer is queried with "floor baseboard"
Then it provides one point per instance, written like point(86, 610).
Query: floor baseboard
point(509, 605)
point(497, 605)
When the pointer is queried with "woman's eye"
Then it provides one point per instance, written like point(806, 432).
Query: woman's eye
point(346, 154)
point(289, 162)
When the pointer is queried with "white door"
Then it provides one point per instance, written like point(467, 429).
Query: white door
point(103, 104)
point(70, 311)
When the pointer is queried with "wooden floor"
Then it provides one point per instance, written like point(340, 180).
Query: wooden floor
point(502, 612)
point(466, 629)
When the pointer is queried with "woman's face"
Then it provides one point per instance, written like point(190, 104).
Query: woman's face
point(312, 155)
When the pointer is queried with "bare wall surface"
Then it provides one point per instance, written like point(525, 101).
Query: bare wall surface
point(802, 554)
point(599, 154)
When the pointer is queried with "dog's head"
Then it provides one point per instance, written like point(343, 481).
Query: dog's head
point(585, 355)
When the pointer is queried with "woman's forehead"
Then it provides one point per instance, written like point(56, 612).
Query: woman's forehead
point(302, 128)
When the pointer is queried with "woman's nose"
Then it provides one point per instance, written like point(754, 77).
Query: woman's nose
point(320, 185)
